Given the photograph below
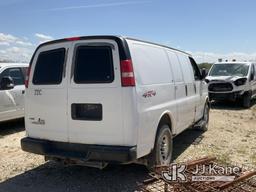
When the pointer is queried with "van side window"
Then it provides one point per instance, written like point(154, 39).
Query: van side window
point(15, 74)
point(93, 64)
point(196, 70)
point(49, 67)
point(176, 68)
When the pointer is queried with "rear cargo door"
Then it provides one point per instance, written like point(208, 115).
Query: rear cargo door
point(46, 96)
point(94, 94)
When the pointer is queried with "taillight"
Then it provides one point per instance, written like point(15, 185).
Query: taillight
point(27, 76)
point(127, 74)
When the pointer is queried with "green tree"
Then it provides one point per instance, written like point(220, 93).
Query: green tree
point(207, 66)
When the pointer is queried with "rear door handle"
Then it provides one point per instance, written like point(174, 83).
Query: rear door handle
point(23, 91)
point(186, 90)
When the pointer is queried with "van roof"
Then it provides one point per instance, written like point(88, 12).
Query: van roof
point(120, 39)
point(234, 62)
point(14, 64)
point(165, 46)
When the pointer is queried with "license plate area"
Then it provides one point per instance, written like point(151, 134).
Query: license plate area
point(86, 111)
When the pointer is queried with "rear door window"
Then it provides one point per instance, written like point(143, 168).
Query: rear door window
point(49, 67)
point(93, 64)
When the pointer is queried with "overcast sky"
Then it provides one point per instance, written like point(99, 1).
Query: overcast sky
point(208, 29)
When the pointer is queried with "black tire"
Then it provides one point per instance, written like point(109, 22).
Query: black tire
point(162, 152)
point(246, 100)
point(204, 126)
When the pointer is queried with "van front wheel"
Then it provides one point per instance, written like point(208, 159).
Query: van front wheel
point(246, 100)
point(162, 152)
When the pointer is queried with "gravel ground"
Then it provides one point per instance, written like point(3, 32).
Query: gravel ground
point(231, 138)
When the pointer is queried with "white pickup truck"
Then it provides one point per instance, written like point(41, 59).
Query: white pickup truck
point(12, 90)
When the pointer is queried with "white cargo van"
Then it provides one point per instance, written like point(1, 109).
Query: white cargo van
point(234, 81)
point(107, 99)
point(12, 90)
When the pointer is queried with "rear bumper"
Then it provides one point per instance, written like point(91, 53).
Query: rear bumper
point(225, 96)
point(115, 154)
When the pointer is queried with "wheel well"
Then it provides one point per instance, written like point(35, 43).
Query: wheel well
point(165, 119)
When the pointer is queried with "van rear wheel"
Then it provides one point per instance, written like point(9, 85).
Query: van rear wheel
point(162, 152)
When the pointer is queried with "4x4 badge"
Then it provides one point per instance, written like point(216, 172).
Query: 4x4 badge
point(150, 93)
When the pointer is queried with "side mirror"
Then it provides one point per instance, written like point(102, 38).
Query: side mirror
point(203, 73)
point(6, 83)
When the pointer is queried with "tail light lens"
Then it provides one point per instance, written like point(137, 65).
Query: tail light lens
point(127, 74)
point(27, 76)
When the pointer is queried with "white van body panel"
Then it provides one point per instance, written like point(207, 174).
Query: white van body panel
point(109, 131)
point(165, 86)
point(153, 74)
point(180, 91)
point(187, 105)
point(154, 66)
point(12, 101)
point(46, 105)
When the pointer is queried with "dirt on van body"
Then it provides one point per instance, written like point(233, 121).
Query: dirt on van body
point(231, 138)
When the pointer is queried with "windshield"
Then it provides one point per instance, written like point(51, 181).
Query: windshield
point(229, 70)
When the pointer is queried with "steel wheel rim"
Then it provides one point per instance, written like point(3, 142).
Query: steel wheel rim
point(164, 149)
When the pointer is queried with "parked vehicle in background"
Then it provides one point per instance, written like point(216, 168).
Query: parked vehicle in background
point(12, 90)
point(108, 99)
point(232, 81)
